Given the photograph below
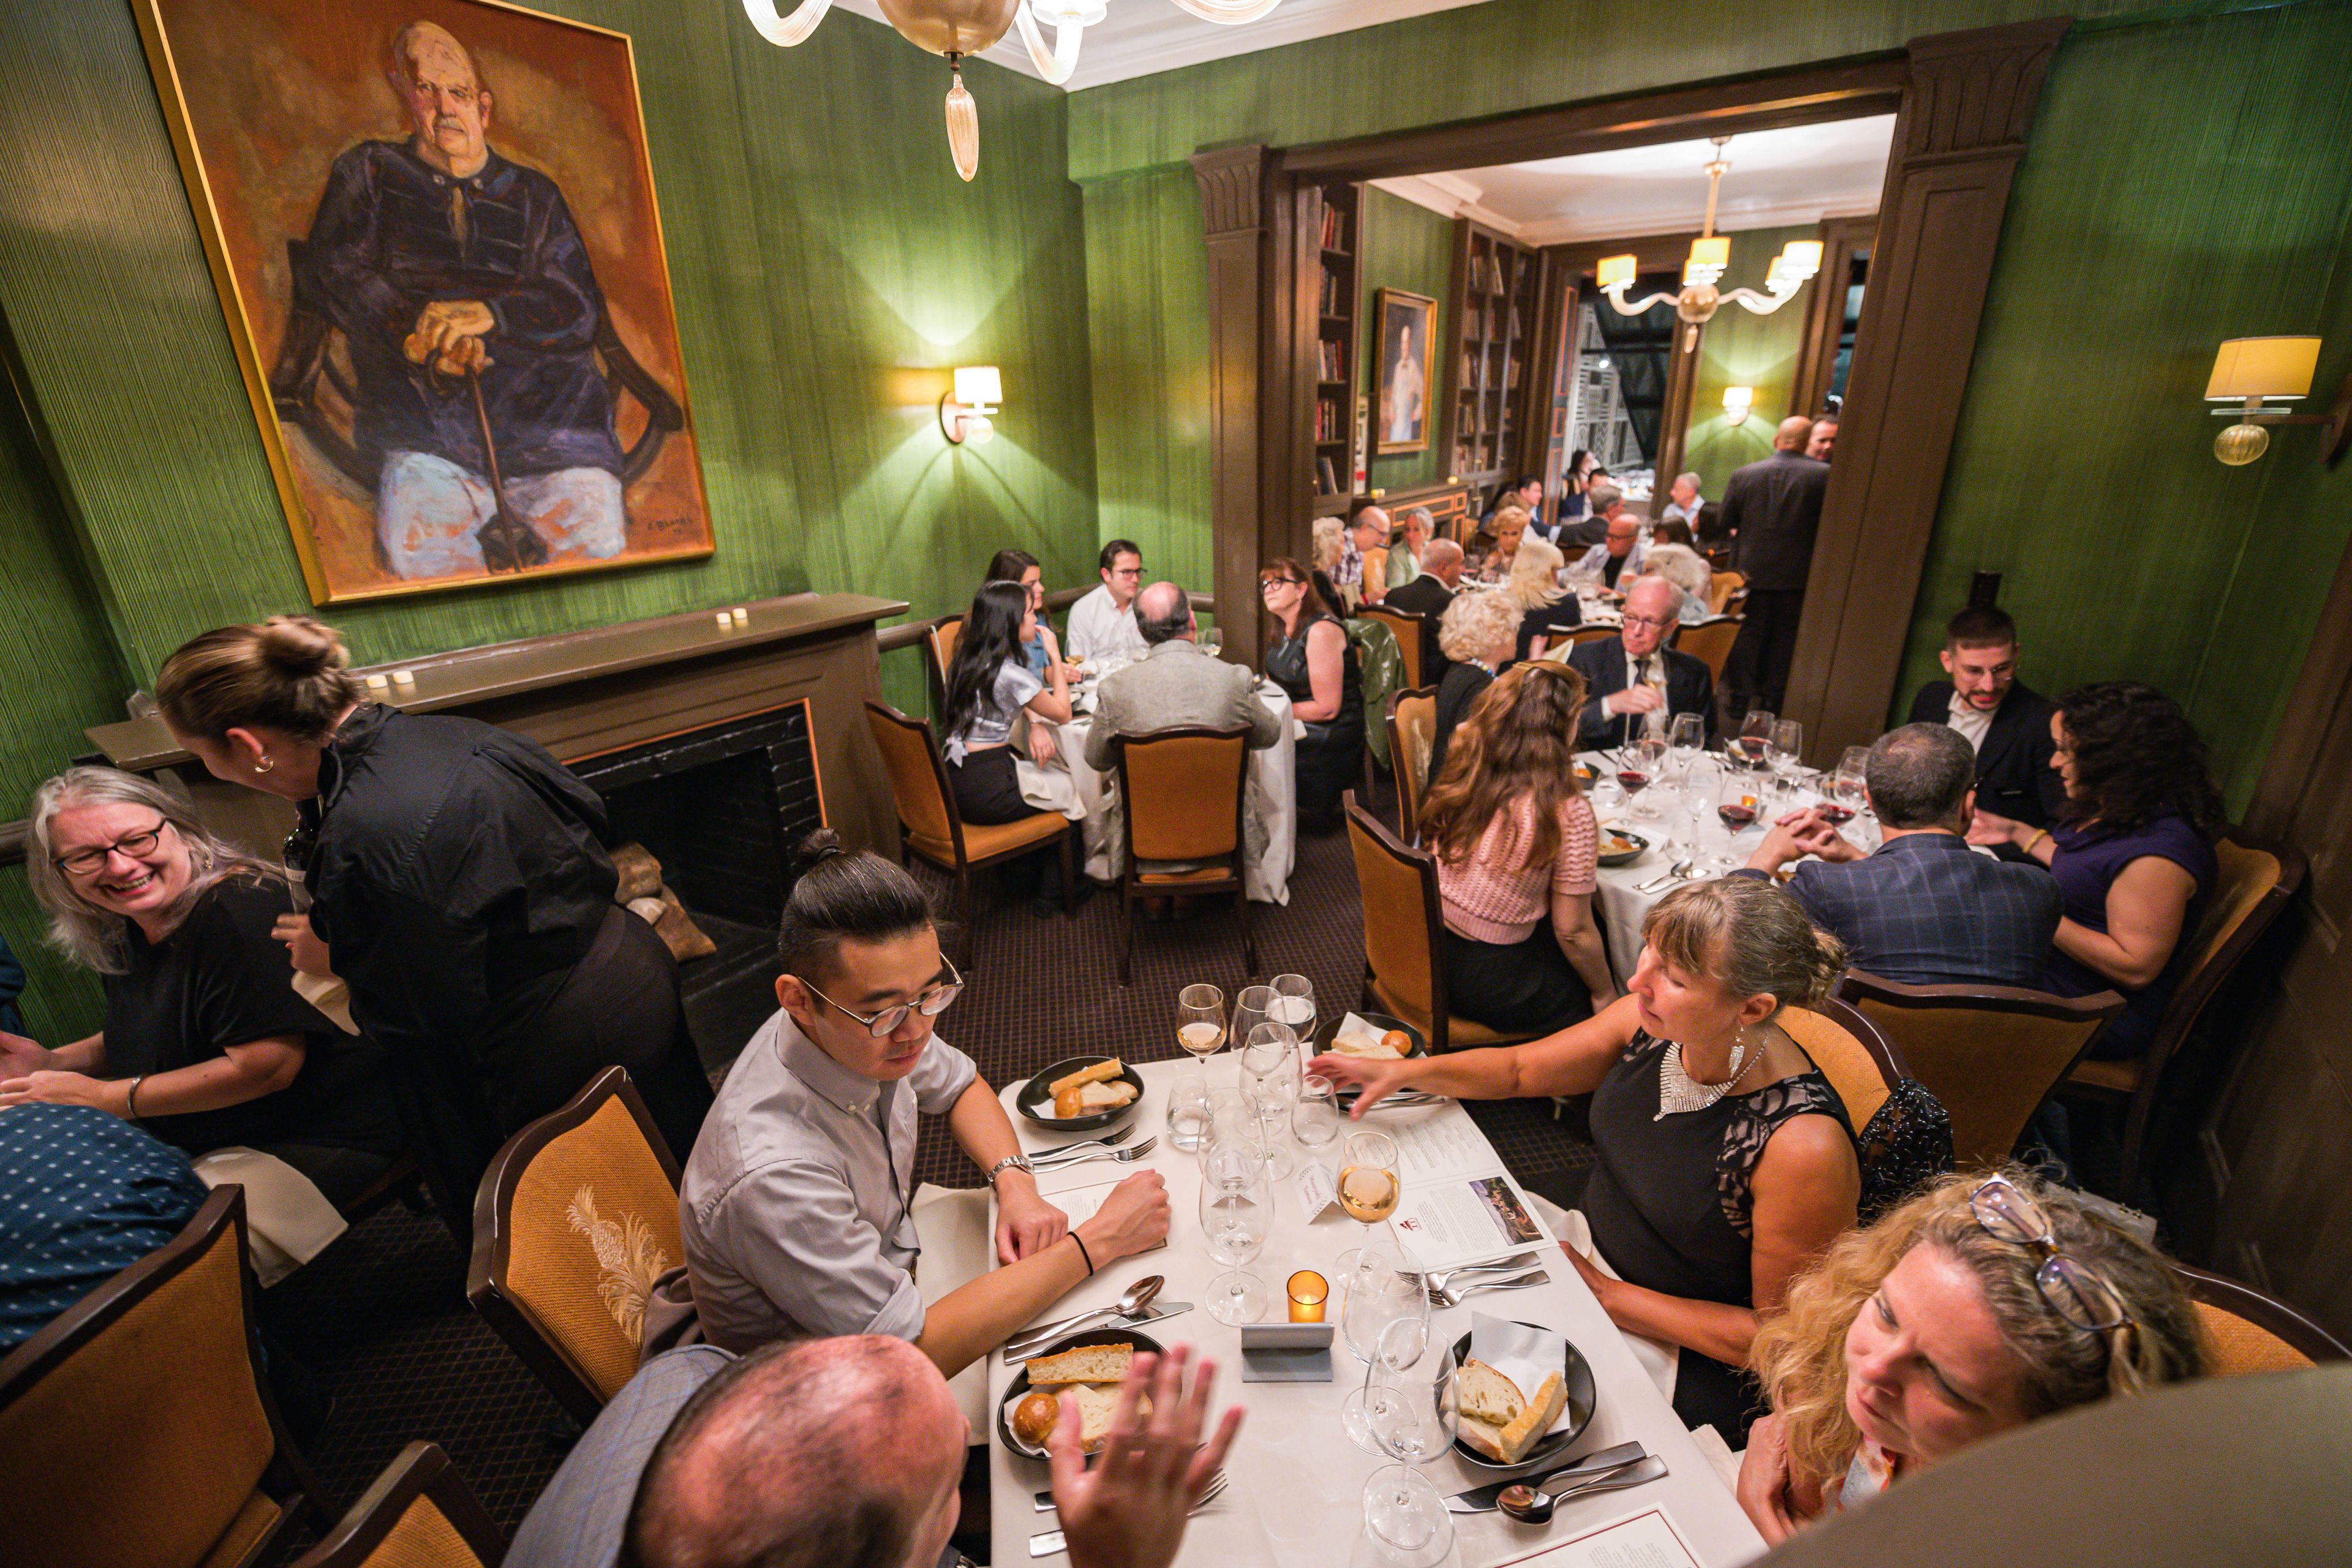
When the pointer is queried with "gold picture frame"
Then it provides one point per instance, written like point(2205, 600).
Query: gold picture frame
point(416, 455)
point(1406, 328)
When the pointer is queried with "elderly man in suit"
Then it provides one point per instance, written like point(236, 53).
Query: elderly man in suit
point(1634, 683)
point(1176, 685)
point(2004, 722)
point(1773, 509)
point(1923, 908)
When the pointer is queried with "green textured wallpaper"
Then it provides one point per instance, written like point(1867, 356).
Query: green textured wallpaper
point(1407, 247)
point(2083, 468)
point(1740, 349)
point(829, 269)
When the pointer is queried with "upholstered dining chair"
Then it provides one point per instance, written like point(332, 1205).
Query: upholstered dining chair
point(1578, 638)
point(939, 653)
point(419, 1513)
point(932, 828)
point(575, 1219)
point(140, 1424)
point(1721, 587)
point(2257, 879)
point(1412, 729)
point(1990, 1053)
point(1183, 791)
point(1860, 1063)
point(2251, 1331)
point(1405, 955)
point(1412, 634)
point(1709, 641)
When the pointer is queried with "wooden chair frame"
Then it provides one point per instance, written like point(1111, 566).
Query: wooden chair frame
point(1413, 637)
point(1409, 795)
point(936, 659)
point(1884, 1054)
point(287, 1477)
point(2267, 1313)
point(422, 1470)
point(1130, 884)
point(487, 1271)
point(964, 864)
point(2188, 1003)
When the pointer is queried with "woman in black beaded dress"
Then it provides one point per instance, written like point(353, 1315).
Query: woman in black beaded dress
point(1725, 1160)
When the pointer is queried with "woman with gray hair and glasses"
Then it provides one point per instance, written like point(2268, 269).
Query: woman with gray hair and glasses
point(205, 1043)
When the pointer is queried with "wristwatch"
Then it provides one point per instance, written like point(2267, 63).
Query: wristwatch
point(1009, 1163)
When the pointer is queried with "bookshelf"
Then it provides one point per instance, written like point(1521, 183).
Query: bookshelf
point(1498, 291)
point(1338, 292)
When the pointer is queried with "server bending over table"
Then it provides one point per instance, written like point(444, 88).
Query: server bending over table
point(459, 877)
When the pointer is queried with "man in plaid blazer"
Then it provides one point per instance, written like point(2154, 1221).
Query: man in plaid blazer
point(1923, 908)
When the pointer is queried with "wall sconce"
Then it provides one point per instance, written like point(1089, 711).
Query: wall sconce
point(964, 412)
point(1737, 401)
point(2249, 371)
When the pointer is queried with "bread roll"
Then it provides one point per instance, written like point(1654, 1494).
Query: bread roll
point(1098, 1073)
point(1087, 1364)
point(1398, 1041)
point(1066, 1102)
point(1033, 1417)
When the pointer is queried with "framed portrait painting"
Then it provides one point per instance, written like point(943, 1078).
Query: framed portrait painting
point(1406, 322)
point(433, 229)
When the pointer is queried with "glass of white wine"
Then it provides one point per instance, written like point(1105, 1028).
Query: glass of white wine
point(1369, 1188)
point(1294, 1003)
point(1201, 1019)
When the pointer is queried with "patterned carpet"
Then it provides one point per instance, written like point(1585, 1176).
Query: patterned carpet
point(382, 1318)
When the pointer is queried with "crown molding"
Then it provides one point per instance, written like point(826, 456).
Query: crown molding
point(1601, 226)
point(1450, 196)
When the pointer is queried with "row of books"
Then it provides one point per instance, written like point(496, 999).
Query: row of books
point(1335, 229)
point(1331, 360)
point(1332, 296)
point(1330, 420)
point(1327, 476)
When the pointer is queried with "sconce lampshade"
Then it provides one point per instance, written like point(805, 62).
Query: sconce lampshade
point(976, 385)
point(1714, 251)
point(1616, 271)
point(1801, 257)
point(2273, 368)
point(1737, 401)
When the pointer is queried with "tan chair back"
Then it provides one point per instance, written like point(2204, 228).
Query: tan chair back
point(2249, 875)
point(577, 1216)
point(945, 634)
point(1184, 791)
point(2250, 1331)
point(1411, 634)
point(138, 1421)
point(1709, 642)
point(419, 1514)
point(1580, 636)
point(1989, 1053)
point(1859, 1061)
point(911, 762)
point(1412, 730)
point(1399, 890)
point(1721, 588)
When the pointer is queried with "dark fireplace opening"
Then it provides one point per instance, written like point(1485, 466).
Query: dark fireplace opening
point(720, 807)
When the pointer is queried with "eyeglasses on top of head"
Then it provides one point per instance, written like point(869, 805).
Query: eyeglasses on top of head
point(931, 1004)
point(82, 862)
point(2077, 1291)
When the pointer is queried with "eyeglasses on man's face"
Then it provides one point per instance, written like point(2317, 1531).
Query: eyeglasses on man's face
point(931, 1004)
point(1655, 623)
point(90, 861)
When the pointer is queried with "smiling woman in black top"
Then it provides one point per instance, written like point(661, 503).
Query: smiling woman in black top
point(205, 1043)
point(460, 878)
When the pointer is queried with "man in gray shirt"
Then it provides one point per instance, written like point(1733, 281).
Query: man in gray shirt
point(796, 1203)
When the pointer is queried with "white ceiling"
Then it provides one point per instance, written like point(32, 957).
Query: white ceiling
point(1799, 176)
point(1137, 38)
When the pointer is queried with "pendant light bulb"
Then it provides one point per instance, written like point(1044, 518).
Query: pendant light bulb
point(963, 128)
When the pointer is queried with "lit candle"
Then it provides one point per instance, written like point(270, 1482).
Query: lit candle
point(1307, 1292)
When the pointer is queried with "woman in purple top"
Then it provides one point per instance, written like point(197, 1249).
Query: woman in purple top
point(2134, 857)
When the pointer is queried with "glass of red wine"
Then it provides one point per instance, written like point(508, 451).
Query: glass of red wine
point(1736, 804)
point(1753, 745)
point(1644, 763)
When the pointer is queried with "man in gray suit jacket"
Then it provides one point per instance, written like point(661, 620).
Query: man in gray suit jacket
point(1176, 685)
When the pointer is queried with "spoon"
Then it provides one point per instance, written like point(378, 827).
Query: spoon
point(1529, 1506)
point(1137, 1297)
point(1679, 871)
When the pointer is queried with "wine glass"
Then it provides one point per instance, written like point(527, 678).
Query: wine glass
point(1406, 1521)
point(1379, 1296)
point(1687, 733)
point(1212, 641)
point(1738, 803)
point(1253, 1005)
point(1236, 1216)
point(1648, 757)
point(1414, 1411)
point(1315, 1120)
point(1294, 1003)
point(1201, 1019)
point(1269, 1082)
point(1753, 746)
point(1788, 747)
point(1188, 1108)
point(1369, 1188)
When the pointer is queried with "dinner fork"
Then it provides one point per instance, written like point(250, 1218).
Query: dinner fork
point(1046, 1542)
point(1455, 1295)
point(1123, 1156)
point(1105, 1141)
point(1045, 1498)
point(1438, 1279)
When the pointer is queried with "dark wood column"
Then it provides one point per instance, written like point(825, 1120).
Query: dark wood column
point(1967, 110)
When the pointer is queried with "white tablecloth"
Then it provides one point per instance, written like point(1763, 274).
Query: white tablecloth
point(1295, 1497)
point(1274, 775)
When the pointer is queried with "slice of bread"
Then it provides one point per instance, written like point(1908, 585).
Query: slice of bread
point(1104, 1096)
point(1487, 1395)
point(1087, 1075)
point(1087, 1364)
point(1508, 1443)
point(1096, 1409)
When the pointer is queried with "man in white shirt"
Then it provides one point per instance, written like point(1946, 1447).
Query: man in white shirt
point(1682, 500)
point(1104, 621)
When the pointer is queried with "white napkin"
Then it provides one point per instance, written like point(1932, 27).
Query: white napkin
point(1355, 1031)
point(1525, 1356)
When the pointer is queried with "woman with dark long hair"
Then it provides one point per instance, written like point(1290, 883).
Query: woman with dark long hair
point(989, 686)
point(1043, 650)
point(1574, 482)
point(1313, 662)
point(2133, 856)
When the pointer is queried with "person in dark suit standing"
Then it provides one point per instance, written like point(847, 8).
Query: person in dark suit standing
point(1773, 509)
point(1632, 681)
point(1923, 908)
point(1427, 596)
point(2006, 722)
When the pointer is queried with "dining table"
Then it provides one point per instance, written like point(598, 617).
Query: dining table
point(1295, 1481)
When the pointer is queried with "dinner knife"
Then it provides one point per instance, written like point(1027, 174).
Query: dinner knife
point(1482, 1499)
point(1020, 1348)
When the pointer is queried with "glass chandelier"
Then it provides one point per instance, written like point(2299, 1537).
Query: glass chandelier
point(959, 27)
point(1710, 257)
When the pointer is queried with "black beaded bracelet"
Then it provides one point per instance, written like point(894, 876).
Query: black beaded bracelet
point(1085, 1254)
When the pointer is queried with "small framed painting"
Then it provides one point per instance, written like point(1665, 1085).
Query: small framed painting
point(1407, 323)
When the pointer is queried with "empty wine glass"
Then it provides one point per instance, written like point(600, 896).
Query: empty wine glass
point(1253, 1005)
point(1406, 1521)
point(1687, 733)
point(1236, 1216)
point(1269, 1081)
point(1188, 1108)
point(1753, 745)
point(1648, 757)
point(1788, 747)
point(1414, 1411)
point(1379, 1294)
point(1315, 1120)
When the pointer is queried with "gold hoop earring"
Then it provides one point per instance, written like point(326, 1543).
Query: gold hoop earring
point(265, 762)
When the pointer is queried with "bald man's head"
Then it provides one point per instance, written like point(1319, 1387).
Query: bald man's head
point(1163, 613)
point(841, 1452)
point(1792, 433)
point(1442, 559)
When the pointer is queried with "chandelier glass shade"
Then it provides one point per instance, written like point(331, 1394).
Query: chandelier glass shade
point(959, 27)
point(1709, 259)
